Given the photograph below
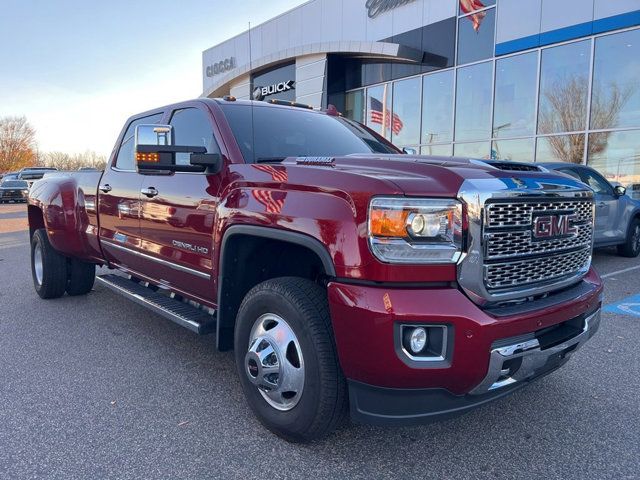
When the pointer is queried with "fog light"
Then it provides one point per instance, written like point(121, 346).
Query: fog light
point(418, 339)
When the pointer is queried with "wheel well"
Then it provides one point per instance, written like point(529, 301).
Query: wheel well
point(36, 219)
point(247, 260)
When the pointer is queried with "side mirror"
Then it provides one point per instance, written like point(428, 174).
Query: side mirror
point(410, 151)
point(154, 151)
point(620, 190)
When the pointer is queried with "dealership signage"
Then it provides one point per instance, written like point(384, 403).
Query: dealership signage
point(221, 66)
point(260, 93)
point(376, 7)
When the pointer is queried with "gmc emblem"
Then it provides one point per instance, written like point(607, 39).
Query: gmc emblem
point(546, 227)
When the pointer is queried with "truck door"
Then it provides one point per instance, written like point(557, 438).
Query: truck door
point(178, 213)
point(119, 203)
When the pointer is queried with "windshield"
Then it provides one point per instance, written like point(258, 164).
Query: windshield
point(287, 132)
point(14, 184)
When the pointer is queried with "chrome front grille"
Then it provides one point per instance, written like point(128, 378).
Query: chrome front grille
point(514, 258)
point(520, 214)
point(508, 244)
point(524, 272)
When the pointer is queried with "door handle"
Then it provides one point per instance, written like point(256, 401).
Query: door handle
point(601, 204)
point(149, 192)
point(106, 188)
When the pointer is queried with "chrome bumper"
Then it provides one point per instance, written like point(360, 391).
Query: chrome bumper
point(525, 360)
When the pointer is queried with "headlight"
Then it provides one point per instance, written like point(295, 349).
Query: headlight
point(405, 230)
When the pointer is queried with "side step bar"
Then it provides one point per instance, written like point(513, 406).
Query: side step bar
point(183, 314)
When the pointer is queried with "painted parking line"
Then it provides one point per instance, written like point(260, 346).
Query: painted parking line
point(618, 272)
point(626, 306)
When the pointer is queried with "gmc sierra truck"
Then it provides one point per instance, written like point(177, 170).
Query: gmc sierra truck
point(343, 273)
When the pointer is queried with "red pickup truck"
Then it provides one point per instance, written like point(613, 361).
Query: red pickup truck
point(342, 272)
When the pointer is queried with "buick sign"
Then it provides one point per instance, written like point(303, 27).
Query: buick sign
point(376, 7)
point(221, 66)
point(259, 93)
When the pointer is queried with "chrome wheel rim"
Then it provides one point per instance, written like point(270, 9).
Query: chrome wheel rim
point(37, 263)
point(274, 363)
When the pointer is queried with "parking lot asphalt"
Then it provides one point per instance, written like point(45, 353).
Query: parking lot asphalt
point(98, 387)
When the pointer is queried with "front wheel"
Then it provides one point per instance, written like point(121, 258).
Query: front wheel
point(286, 359)
point(631, 247)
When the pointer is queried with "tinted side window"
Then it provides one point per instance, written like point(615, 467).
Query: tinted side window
point(595, 181)
point(125, 160)
point(191, 127)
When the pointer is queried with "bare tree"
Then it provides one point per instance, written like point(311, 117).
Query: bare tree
point(564, 109)
point(65, 161)
point(17, 144)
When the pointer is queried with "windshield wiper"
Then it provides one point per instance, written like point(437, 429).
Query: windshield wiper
point(269, 159)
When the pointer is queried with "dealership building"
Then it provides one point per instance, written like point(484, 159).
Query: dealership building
point(526, 80)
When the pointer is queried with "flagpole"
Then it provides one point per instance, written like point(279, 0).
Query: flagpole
point(384, 111)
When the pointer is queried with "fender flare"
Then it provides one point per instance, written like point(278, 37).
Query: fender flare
point(224, 324)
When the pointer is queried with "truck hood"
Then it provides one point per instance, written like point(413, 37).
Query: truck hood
point(416, 175)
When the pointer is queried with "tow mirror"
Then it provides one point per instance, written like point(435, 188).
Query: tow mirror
point(154, 151)
point(410, 151)
point(620, 190)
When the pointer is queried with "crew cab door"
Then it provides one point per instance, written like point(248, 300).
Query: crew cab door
point(119, 203)
point(178, 213)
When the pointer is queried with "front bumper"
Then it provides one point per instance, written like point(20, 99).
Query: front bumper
point(492, 353)
point(397, 406)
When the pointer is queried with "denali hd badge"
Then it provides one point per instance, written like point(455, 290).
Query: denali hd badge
point(547, 227)
point(188, 246)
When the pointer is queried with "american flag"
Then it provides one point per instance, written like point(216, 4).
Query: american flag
point(380, 114)
point(273, 201)
point(468, 6)
point(278, 174)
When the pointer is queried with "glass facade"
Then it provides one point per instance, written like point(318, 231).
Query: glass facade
point(576, 102)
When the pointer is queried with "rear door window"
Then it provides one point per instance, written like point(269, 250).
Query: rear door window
point(192, 128)
point(125, 160)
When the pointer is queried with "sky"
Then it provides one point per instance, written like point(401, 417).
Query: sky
point(77, 69)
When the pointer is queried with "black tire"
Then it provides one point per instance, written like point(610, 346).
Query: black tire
point(80, 277)
point(631, 247)
point(52, 279)
point(322, 404)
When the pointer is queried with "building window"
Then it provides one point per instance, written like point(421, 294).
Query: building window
point(439, 45)
point(473, 150)
point(476, 36)
point(437, 150)
point(354, 105)
point(617, 156)
point(473, 102)
point(405, 123)
point(564, 82)
point(518, 150)
point(615, 100)
point(561, 148)
point(379, 109)
point(437, 107)
point(515, 104)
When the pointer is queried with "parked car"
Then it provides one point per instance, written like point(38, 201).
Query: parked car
point(31, 174)
point(10, 176)
point(13, 191)
point(617, 214)
point(341, 271)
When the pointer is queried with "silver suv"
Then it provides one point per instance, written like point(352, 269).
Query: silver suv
point(617, 214)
